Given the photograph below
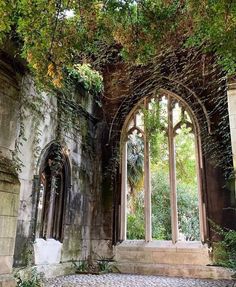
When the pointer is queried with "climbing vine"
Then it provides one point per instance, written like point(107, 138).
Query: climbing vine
point(32, 107)
point(58, 33)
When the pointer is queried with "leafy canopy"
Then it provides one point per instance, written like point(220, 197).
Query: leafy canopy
point(58, 33)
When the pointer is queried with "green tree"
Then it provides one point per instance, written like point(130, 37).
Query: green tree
point(135, 158)
point(58, 33)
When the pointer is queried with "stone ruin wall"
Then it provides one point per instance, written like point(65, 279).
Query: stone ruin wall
point(87, 230)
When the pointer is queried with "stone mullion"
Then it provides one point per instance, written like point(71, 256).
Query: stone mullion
point(147, 187)
point(51, 208)
point(124, 193)
point(172, 174)
point(231, 94)
point(202, 208)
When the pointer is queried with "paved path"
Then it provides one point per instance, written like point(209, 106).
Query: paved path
point(124, 280)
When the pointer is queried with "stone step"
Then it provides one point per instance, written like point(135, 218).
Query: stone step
point(182, 259)
point(175, 270)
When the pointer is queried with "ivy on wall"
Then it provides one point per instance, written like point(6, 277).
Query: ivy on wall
point(58, 33)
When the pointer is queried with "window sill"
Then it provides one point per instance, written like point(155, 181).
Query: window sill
point(162, 244)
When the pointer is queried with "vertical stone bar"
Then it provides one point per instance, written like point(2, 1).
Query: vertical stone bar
point(147, 187)
point(231, 94)
point(123, 215)
point(202, 219)
point(172, 172)
point(51, 208)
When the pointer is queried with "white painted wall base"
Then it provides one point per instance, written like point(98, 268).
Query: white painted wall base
point(47, 251)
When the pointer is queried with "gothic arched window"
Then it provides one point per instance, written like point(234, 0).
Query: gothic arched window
point(161, 162)
point(53, 193)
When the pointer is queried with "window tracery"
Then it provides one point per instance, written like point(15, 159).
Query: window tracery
point(164, 118)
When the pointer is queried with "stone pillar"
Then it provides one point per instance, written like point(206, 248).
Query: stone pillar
point(147, 184)
point(172, 168)
point(232, 117)
point(124, 192)
point(9, 201)
point(9, 183)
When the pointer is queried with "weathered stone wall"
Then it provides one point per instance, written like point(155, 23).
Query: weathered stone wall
point(199, 81)
point(87, 226)
point(9, 184)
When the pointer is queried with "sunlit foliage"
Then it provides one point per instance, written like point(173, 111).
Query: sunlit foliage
point(55, 33)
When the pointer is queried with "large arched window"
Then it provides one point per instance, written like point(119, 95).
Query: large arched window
point(161, 162)
point(54, 183)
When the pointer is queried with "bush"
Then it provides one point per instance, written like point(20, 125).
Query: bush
point(224, 252)
point(188, 211)
point(29, 278)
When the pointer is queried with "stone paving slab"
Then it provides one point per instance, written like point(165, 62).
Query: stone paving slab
point(126, 280)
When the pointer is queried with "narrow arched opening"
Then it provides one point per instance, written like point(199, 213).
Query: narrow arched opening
point(54, 178)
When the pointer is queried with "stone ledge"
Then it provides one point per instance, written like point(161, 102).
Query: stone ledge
point(7, 281)
point(162, 252)
point(51, 270)
point(181, 270)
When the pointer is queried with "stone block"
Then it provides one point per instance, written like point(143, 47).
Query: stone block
point(8, 186)
point(9, 203)
point(179, 270)
point(6, 246)
point(102, 248)
point(7, 281)
point(162, 253)
point(7, 226)
point(5, 264)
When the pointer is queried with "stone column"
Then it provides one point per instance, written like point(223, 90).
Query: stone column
point(9, 183)
point(147, 184)
point(231, 93)
point(172, 168)
point(123, 212)
point(232, 117)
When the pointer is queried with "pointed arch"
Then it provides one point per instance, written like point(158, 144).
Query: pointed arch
point(171, 129)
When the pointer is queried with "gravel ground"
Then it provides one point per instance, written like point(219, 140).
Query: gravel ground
point(124, 280)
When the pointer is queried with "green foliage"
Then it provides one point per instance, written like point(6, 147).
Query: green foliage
point(135, 151)
point(29, 278)
point(89, 78)
point(224, 251)
point(51, 39)
point(161, 216)
point(188, 211)
point(104, 265)
point(135, 218)
point(35, 106)
point(81, 265)
point(155, 121)
point(185, 157)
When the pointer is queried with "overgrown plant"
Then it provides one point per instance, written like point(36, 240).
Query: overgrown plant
point(224, 251)
point(31, 278)
point(85, 30)
point(104, 265)
point(81, 265)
